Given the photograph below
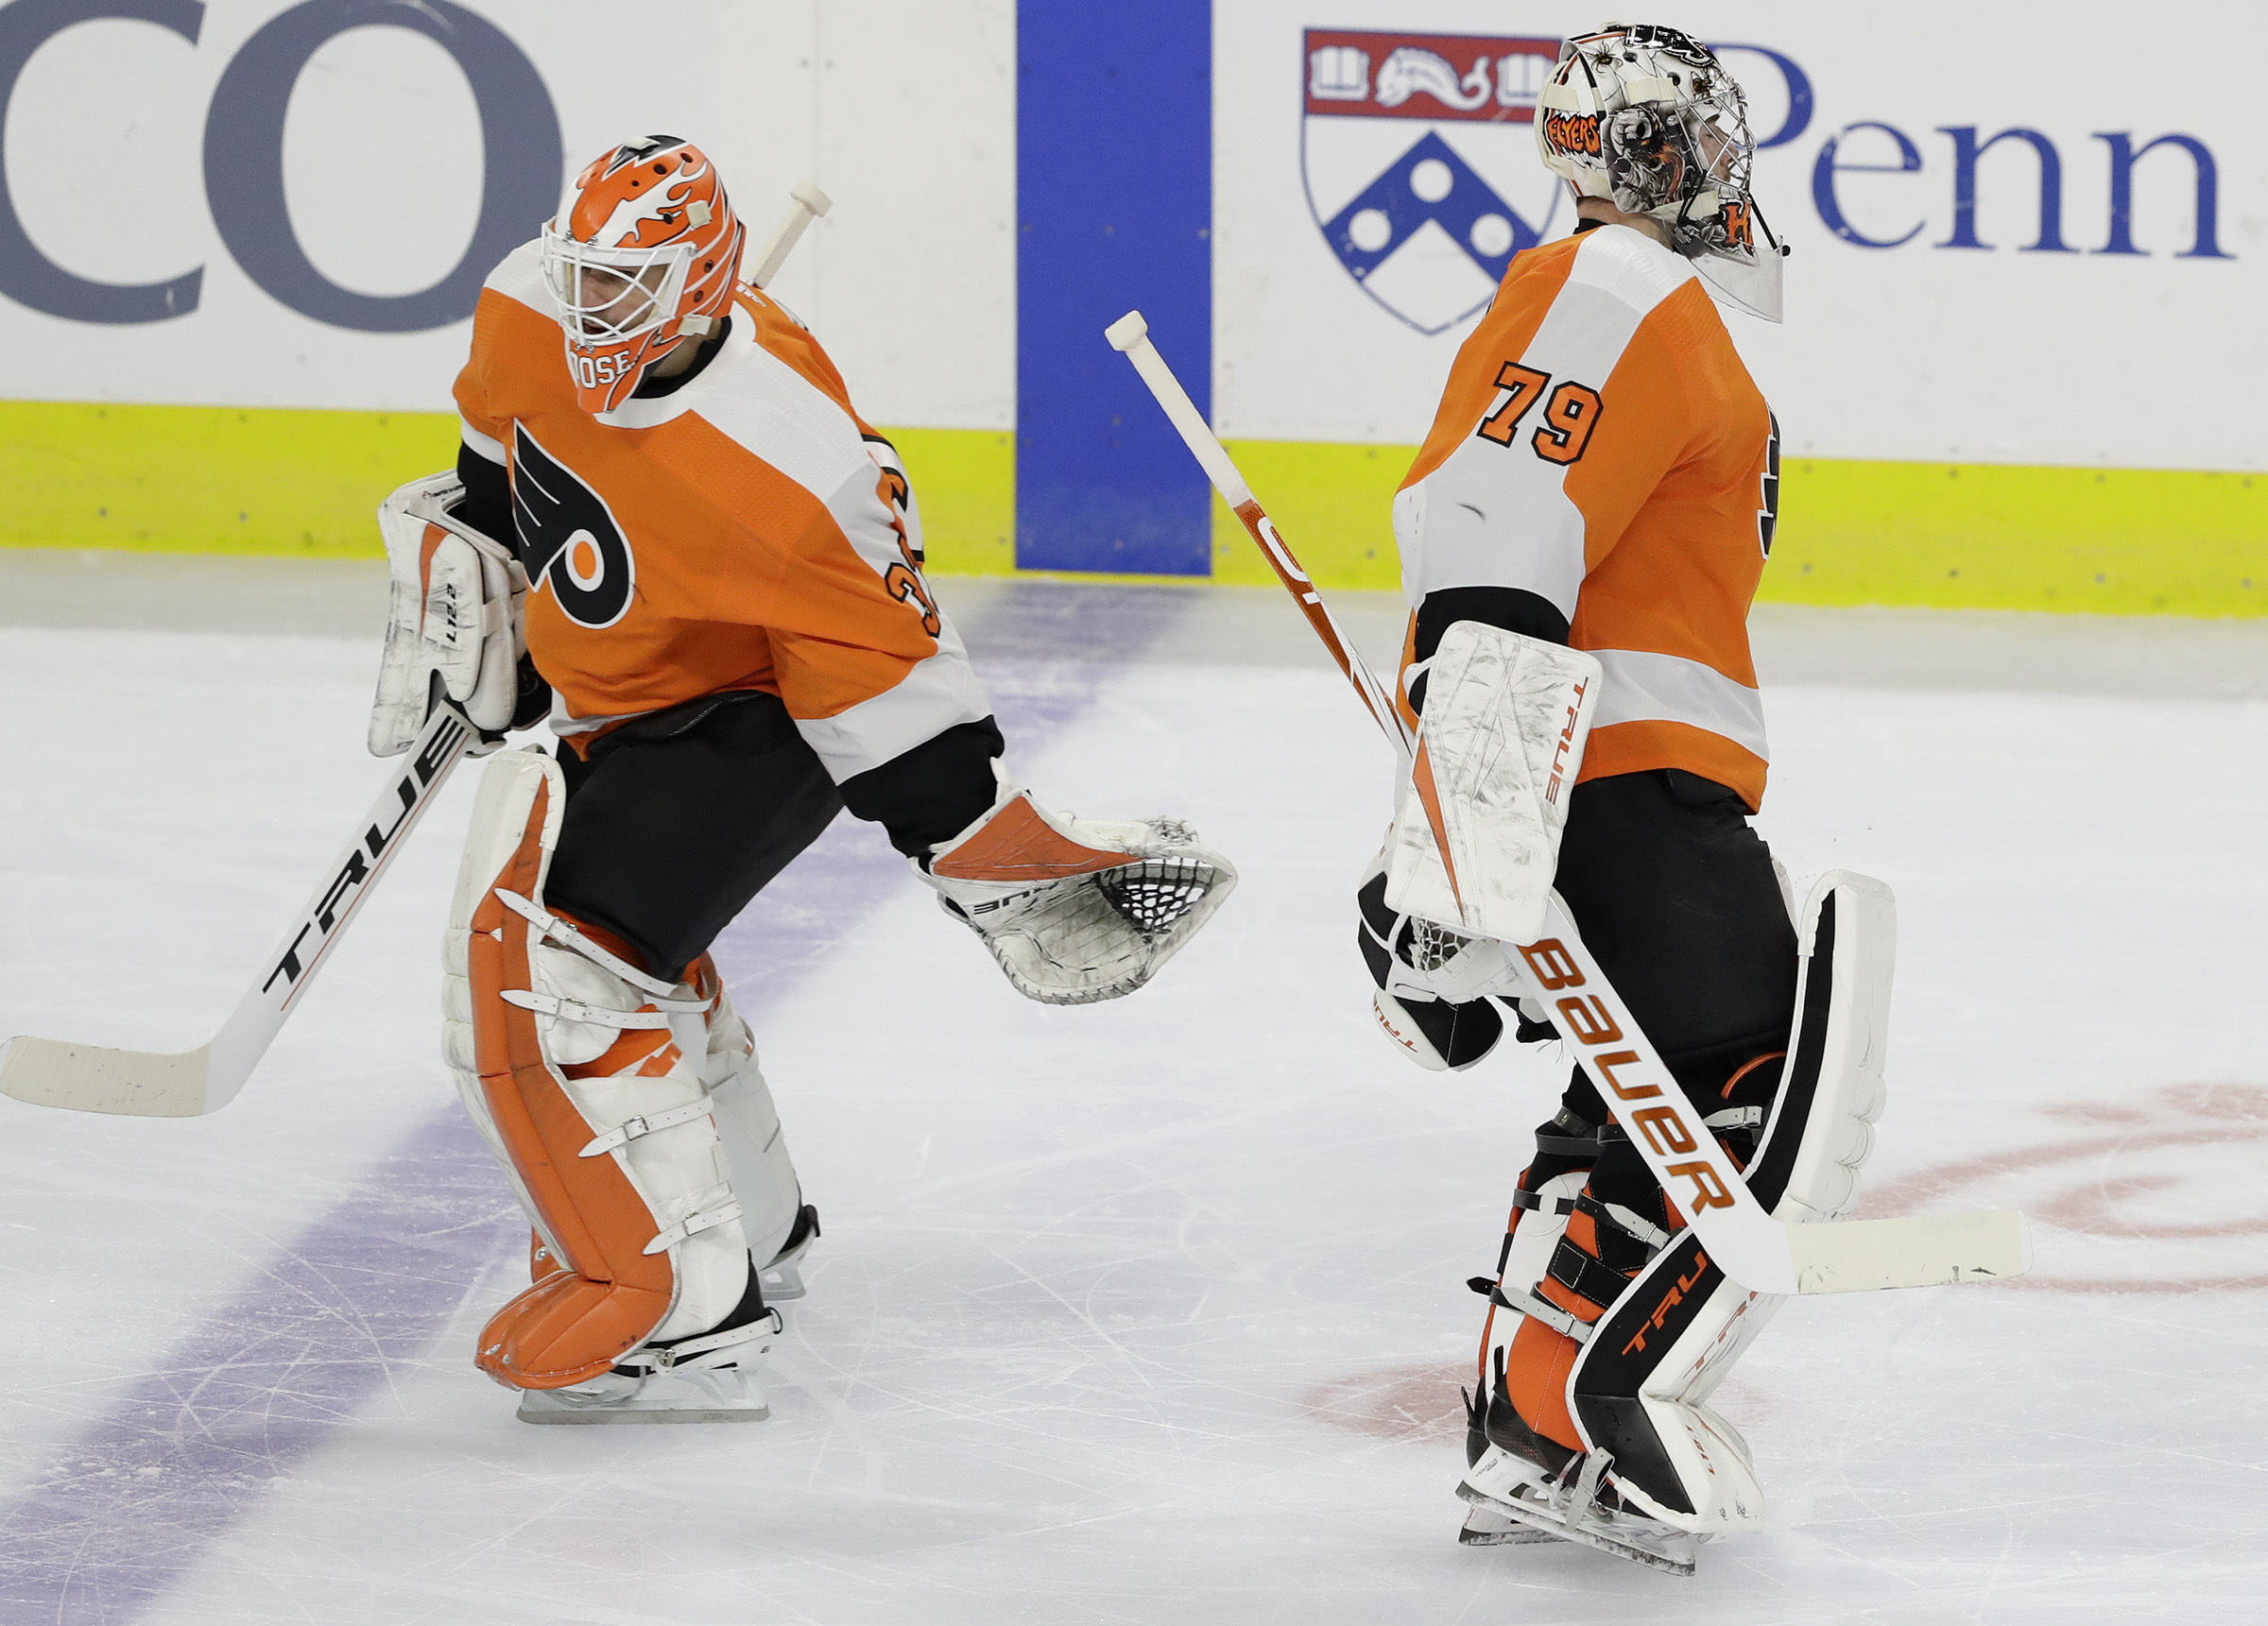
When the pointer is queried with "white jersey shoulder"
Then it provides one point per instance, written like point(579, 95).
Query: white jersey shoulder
point(1629, 267)
point(519, 277)
point(768, 409)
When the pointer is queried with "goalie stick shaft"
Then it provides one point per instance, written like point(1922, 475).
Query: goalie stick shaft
point(809, 204)
point(1761, 1253)
point(1130, 334)
point(187, 1083)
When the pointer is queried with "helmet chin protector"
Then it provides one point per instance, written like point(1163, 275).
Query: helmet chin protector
point(640, 257)
point(1646, 118)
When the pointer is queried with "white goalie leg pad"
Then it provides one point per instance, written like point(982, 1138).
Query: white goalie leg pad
point(1477, 825)
point(1820, 1129)
point(763, 1175)
point(1077, 910)
point(652, 1113)
point(1641, 1386)
point(584, 1074)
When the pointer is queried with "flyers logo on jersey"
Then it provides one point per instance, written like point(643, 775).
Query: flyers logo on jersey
point(569, 539)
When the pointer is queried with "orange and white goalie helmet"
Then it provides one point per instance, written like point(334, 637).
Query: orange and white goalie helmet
point(1647, 118)
point(640, 259)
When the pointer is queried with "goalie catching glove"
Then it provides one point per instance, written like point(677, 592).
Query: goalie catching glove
point(1077, 910)
point(453, 615)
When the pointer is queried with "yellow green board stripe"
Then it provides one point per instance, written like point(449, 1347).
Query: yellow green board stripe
point(2121, 541)
point(2109, 542)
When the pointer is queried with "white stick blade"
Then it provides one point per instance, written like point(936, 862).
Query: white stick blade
point(1923, 1250)
point(1124, 331)
point(808, 194)
point(93, 1078)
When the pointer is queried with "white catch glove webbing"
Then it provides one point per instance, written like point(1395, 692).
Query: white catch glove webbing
point(454, 612)
point(1077, 910)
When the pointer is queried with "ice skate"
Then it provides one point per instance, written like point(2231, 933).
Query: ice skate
point(1573, 1505)
point(782, 1278)
point(717, 1377)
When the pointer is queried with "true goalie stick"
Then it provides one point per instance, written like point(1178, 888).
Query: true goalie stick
point(1762, 1254)
point(188, 1084)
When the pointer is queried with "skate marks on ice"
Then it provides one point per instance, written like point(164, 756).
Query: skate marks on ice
point(2162, 1193)
point(241, 1402)
point(1421, 1403)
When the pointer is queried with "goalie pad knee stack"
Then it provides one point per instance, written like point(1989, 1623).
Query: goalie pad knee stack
point(1621, 1340)
point(593, 1080)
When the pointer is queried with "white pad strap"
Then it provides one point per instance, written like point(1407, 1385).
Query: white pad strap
point(632, 1129)
point(1476, 830)
point(601, 1016)
point(709, 1350)
point(568, 936)
point(1638, 1225)
point(694, 1224)
point(1528, 1304)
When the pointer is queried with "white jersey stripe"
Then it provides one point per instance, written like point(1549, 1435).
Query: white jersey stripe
point(1644, 687)
point(937, 694)
point(1494, 514)
point(487, 445)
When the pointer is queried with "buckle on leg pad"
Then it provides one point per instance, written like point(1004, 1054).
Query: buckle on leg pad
point(598, 1016)
point(693, 1226)
point(709, 1350)
point(630, 1129)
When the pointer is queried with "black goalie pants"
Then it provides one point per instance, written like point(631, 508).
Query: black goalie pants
point(678, 820)
point(1677, 896)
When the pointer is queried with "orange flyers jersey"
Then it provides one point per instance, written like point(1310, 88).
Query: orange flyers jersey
point(1601, 445)
point(745, 531)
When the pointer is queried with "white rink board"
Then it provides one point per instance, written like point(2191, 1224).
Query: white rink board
point(903, 112)
point(1915, 352)
point(1152, 1311)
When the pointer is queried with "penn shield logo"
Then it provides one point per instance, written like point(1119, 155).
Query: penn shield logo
point(569, 539)
point(1419, 153)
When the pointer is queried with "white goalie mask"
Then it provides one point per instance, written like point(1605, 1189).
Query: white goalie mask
point(1646, 118)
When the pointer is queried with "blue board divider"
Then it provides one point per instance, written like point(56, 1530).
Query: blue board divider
point(1114, 206)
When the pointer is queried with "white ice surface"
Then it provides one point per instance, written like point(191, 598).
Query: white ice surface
point(1152, 1311)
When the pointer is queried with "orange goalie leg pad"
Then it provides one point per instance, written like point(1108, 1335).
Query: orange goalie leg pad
point(576, 1321)
point(1535, 1369)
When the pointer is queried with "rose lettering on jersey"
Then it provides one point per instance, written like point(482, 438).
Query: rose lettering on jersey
point(1580, 1015)
point(1708, 1185)
point(1606, 1064)
point(1552, 965)
point(1665, 1130)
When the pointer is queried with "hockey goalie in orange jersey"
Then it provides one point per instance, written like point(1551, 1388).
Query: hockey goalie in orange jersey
point(1602, 474)
point(669, 531)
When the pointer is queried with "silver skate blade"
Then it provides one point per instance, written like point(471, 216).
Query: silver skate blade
point(779, 1282)
point(1485, 1527)
point(1669, 1551)
point(536, 1406)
